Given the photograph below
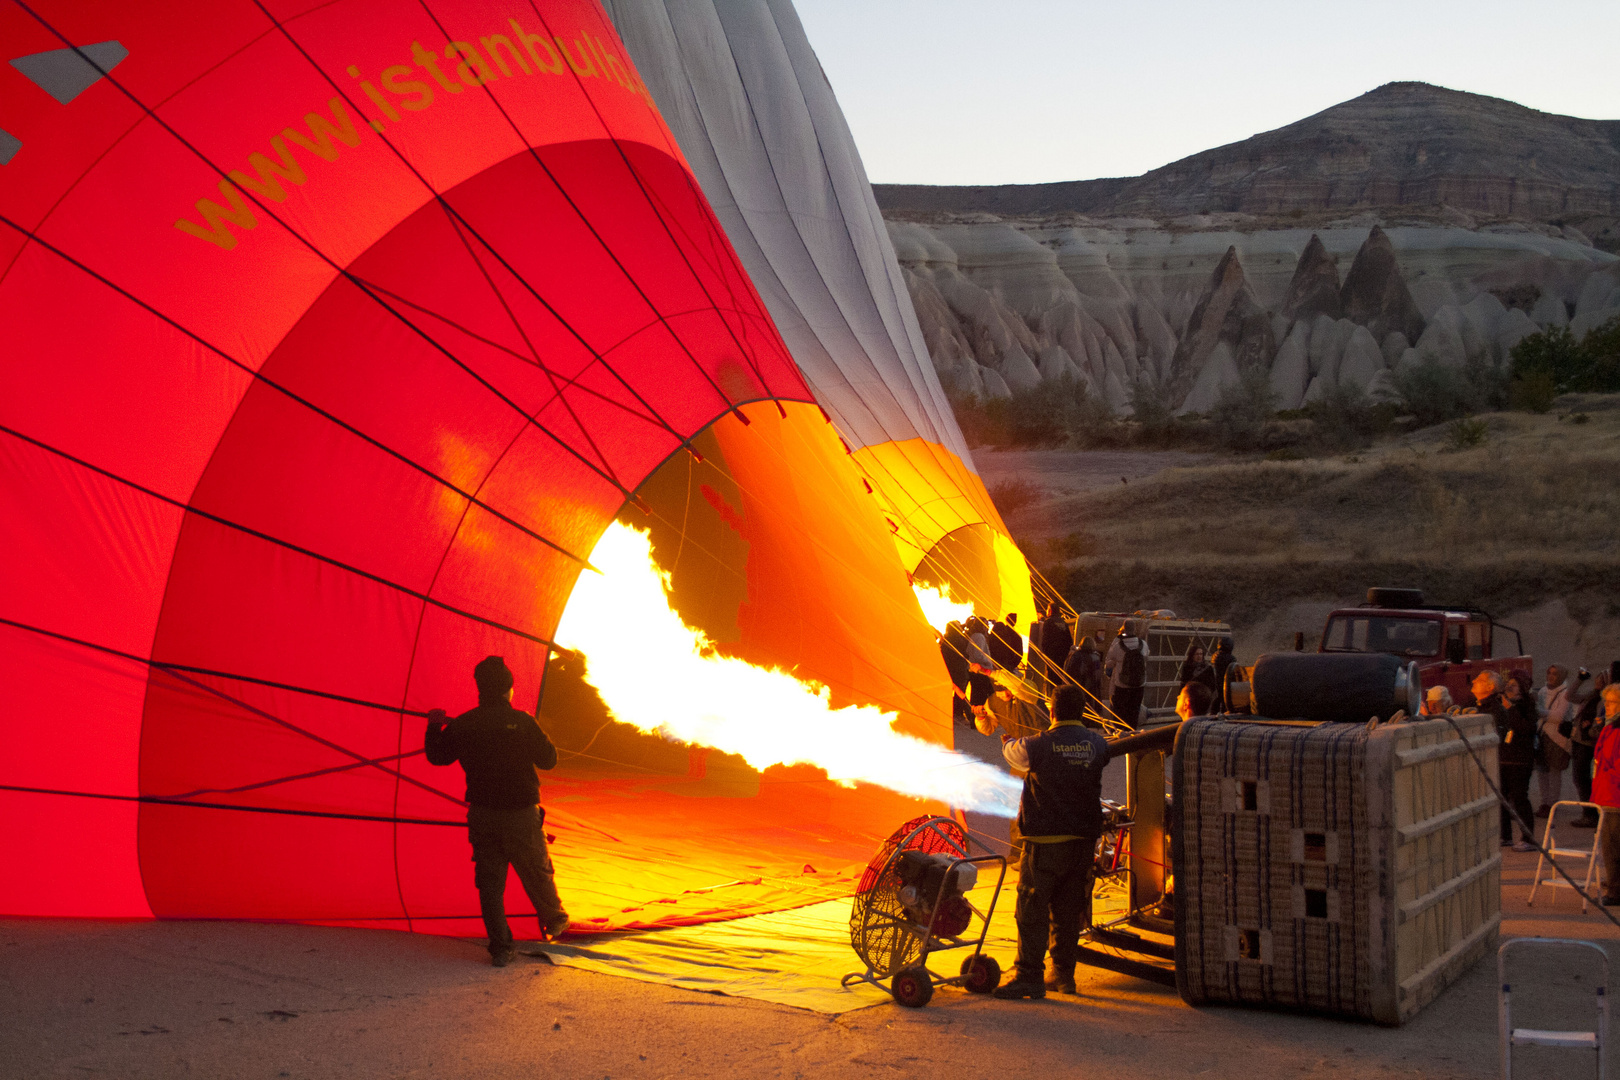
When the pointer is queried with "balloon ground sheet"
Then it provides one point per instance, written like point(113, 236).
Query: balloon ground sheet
point(794, 957)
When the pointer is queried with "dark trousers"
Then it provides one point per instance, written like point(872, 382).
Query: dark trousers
point(1126, 701)
point(1580, 769)
point(1054, 901)
point(1515, 781)
point(515, 838)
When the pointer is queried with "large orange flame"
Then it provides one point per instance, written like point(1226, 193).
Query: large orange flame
point(669, 679)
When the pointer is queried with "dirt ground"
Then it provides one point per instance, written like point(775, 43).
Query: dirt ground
point(1063, 474)
point(241, 1000)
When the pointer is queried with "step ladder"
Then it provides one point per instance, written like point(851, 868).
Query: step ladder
point(1594, 864)
point(1588, 1041)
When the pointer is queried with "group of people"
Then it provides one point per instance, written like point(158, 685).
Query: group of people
point(1111, 674)
point(1566, 725)
point(974, 651)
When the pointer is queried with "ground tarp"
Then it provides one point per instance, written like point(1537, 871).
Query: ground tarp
point(791, 957)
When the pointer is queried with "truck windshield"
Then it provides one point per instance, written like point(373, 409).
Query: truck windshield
point(1382, 634)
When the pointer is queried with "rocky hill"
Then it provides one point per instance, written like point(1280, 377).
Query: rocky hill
point(1411, 224)
point(1401, 145)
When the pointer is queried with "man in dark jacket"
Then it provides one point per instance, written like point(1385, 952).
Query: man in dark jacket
point(1515, 755)
point(1049, 645)
point(1085, 666)
point(1060, 818)
point(953, 647)
point(499, 748)
point(1006, 643)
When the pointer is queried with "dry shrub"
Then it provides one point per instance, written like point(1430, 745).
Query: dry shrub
point(1011, 496)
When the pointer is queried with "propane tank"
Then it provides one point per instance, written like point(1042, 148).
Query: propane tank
point(1344, 687)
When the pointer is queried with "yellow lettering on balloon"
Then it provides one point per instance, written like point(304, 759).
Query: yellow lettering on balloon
point(472, 70)
point(215, 217)
point(272, 176)
point(553, 64)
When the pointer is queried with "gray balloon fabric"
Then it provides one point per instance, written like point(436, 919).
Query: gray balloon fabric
point(740, 87)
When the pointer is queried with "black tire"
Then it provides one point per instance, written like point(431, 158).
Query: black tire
point(982, 974)
point(913, 987)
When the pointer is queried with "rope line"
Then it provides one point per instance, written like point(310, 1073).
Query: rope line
point(290, 395)
point(1525, 830)
point(289, 545)
point(341, 271)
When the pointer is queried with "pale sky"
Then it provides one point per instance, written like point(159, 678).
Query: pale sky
point(1026, 91)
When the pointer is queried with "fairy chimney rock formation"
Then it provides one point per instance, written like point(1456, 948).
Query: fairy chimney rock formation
point(1226, 312)
point(1375, 294)
point(1314, 289)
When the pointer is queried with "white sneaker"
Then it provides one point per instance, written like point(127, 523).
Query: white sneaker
point(1523, 845)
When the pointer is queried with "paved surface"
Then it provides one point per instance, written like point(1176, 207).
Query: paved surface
point(239, 1000)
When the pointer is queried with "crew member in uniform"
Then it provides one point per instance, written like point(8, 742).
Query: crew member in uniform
point(1060, 818)
point(499, 748)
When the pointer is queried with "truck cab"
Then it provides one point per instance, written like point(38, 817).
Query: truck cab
point(1450, 645)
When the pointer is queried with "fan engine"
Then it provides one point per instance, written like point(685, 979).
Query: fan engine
point(931, 891)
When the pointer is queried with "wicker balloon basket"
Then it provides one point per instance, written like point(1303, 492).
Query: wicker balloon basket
point(1339, 868)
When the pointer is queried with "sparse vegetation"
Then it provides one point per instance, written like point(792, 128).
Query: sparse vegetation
point(1010, 496)
point(1053, 412)
point(1553, 360)
point(1465, 434)
point(1436, 392)
point(1241, 412)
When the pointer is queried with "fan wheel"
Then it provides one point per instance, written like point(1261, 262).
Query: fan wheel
point(982, 974)
point(913, 987)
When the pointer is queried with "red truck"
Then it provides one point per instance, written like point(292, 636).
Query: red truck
point(1450, 644)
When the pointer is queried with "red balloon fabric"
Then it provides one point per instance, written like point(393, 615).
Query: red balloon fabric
point(334, 336)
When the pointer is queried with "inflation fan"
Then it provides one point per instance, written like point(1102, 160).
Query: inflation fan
point(912, 902)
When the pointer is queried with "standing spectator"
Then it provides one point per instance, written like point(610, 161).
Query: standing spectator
point(1222, 661)
point(1126, 669)
point(1049, 645)
point(1606, 791)
point(1586, 702)
point(1085, 666)
point(1006, 643)
point(1516, 756)
point(1552, 747)
point(953, 646)
point(981, 669)
point(1194, 668)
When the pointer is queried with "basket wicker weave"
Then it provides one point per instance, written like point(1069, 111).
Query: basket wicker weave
point(1330, 867)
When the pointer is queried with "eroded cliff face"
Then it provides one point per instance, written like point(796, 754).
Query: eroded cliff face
point(1411, 222)
point(1183, 308)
